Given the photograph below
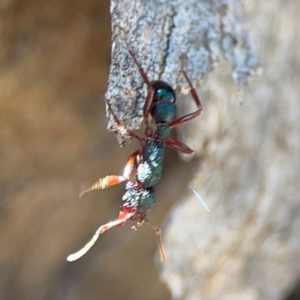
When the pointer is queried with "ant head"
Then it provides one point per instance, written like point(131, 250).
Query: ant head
point(163, 92)
point(163, 108)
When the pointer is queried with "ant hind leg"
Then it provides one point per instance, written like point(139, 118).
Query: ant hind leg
point(100, 230)
point(161, 249)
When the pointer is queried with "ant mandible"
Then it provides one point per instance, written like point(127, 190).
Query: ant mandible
point(144, 164)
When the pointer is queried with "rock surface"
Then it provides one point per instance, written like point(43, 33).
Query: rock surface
point(248, 246)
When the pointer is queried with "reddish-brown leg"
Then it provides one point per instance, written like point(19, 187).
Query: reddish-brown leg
point(121, 126)
point(178, 146)
point(149, 98)
point(150, 91)
point(161, 249)
point(192, 115)
point(110, 180)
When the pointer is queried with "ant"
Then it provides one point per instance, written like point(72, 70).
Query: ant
point(145, 164)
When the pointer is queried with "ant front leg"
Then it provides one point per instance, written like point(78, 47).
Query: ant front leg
point(150, 89)
point(175, 144)
point(150, 94)
point(197, 101)
point(121, 126)
point(111, 180)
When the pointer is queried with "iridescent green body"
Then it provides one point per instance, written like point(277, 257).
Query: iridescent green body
point(150, 168)
point(150, 163)
point(162, 130)
point(141, 199)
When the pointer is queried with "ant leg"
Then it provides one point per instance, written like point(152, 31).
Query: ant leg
point(161, 249)
point(122, 128)
point(149, 98)
point(148, 101)
point(110, 180)
point(197, 101)
point(150, 93)
point(141, 70)
point(178, 146)
point(100, 230)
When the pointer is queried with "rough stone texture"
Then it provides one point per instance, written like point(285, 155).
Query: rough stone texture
point(248, 246)
point(160, 33)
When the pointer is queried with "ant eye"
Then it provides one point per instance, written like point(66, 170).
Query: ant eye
point(165, 94)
